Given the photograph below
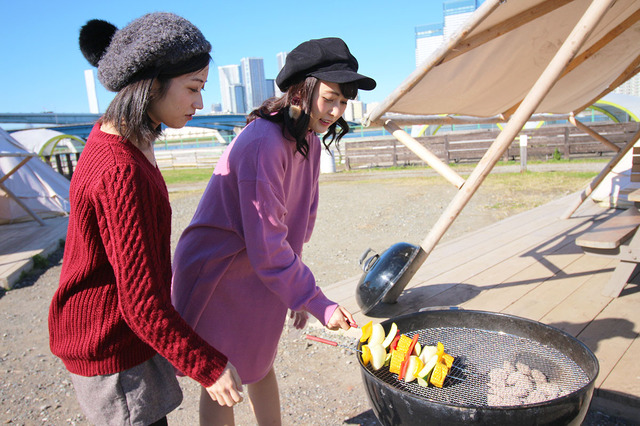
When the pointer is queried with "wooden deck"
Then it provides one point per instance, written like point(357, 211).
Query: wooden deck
point(528, 265)
point(19, 242)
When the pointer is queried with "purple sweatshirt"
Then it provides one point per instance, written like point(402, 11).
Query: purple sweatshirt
point(237, 266)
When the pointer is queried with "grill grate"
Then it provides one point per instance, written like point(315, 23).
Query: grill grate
point(479, 351)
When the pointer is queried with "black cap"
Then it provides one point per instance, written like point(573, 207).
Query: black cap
point(327, 59)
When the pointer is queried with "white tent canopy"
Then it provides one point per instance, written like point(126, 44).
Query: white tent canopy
point(516, 61)
point(29, 188)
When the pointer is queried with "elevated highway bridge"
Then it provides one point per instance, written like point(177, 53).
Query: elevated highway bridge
point(80, 124)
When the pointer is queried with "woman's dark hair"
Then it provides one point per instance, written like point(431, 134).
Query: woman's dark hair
point(301, 95)
point(128, 110)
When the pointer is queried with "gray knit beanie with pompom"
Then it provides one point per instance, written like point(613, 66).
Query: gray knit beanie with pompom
point(146, 44)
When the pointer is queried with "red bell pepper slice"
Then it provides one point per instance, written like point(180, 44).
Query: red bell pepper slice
point(405, 363)
point(394, 343)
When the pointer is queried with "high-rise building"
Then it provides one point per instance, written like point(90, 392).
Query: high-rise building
point(456, 13)
point(231, 77)
point(238, 101)
point(629, 87)
point(354, 110)
point(281, 58)
point(431, 36)
point(428, 38)
point(270, 88)
point(254, 82)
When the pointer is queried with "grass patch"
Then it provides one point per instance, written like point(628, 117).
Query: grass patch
point(534, 180)
point(182, 176)
point(525, 191)
point(40, 262)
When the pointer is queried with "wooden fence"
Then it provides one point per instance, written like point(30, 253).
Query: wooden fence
point(543, 143)
point(188, 158)
point(65, 163)
point(385, 151)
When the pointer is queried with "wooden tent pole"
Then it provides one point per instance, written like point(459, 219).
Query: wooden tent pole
point(13, 196)
point(532, 100)
point(425, 155)
point(410, 120)
point(17, 199)
point(597, 136)
point(598, 179)
point(15, 169)
point(475, 19)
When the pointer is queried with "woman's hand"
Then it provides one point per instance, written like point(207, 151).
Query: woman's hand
point(341, 318)
point(299, 319)
point(227, 390)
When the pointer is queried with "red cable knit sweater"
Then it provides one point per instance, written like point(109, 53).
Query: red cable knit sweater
point(112, 310)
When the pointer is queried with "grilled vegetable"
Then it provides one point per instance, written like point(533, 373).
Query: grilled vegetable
point(393, 332)
point(394, 344)
point(428, 368)
point(366, 354)
point(448, 360)
point(414, 366)
point(404, 343)
point(378, 355)
point(438, 375)
point(366, 331)
point(377, 334)
point(399, 354)
point(405, 362)
point(427, 352)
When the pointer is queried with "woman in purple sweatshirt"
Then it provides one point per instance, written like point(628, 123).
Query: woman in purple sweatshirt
point(237, 266)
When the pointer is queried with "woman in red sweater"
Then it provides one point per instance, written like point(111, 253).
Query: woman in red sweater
point(111, 320)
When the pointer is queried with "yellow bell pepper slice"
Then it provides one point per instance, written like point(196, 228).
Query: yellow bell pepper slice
point(366, 354)
point(366, 331)
point(440, 349)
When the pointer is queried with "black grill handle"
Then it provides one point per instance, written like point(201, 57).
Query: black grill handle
point(440, 308)
point(368, 264)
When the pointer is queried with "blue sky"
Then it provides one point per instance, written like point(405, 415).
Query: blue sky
point(42, 69)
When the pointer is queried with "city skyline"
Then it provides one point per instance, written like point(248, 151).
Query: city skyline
point(236, 84)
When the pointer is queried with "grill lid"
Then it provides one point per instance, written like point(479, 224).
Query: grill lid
point(386, 275)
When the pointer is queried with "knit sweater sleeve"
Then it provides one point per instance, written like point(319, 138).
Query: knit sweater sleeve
point(135, 230)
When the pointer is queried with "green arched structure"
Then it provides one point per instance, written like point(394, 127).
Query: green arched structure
point(49, 146)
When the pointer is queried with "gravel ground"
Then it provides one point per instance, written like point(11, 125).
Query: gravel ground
point(319, 384)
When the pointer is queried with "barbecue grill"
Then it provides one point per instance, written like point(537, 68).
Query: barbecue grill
point(482, 341)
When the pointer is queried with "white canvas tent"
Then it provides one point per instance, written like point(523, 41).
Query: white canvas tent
point(515, 61)
point(29, 188)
